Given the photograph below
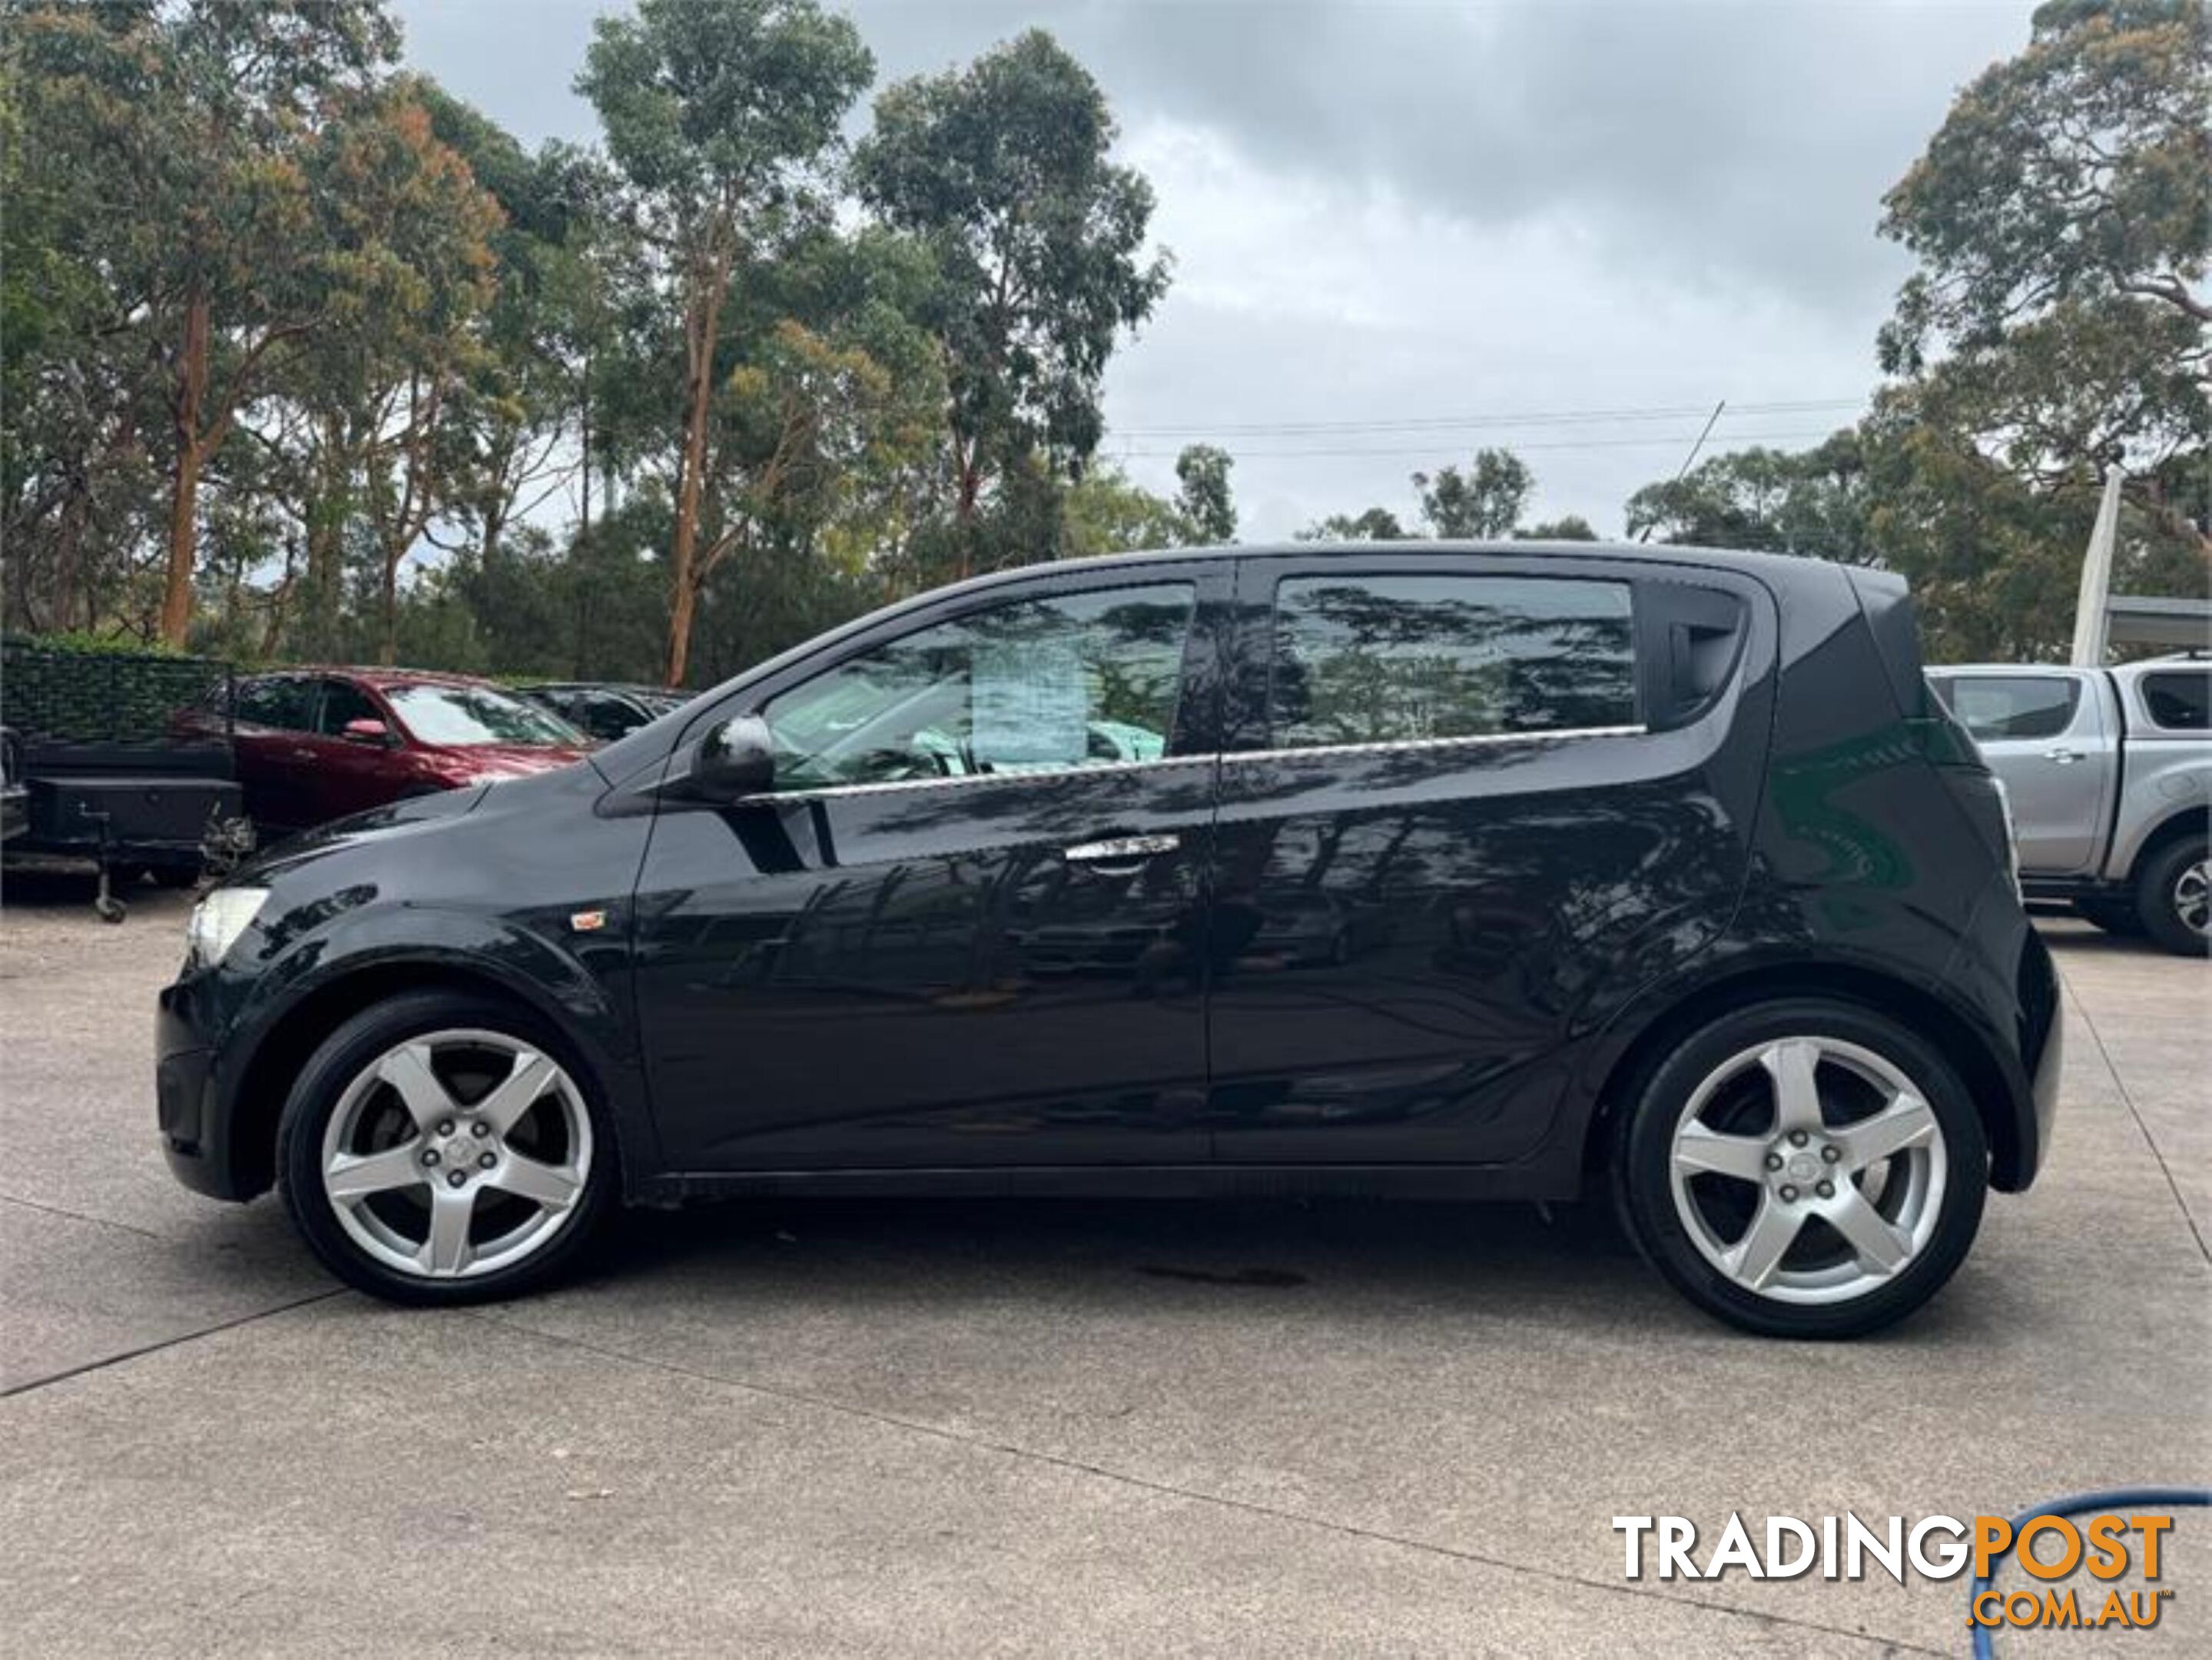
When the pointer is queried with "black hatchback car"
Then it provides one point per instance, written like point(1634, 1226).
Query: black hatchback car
point(1434, 870)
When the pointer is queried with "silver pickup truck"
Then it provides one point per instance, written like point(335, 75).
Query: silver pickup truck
point(2109, 772)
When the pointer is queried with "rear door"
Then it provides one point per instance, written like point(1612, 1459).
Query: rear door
point(1467, 803)
point(2051, 738)
point(274, 719)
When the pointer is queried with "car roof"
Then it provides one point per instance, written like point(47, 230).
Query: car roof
point(381, 678)
point(1772, 567)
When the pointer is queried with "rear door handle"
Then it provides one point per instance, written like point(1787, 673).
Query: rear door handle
point(2064, 756)
point(1120, 855)
point(303, 755)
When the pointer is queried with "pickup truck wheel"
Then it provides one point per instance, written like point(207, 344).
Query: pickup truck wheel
point(2173, 896)
point(2113, 915)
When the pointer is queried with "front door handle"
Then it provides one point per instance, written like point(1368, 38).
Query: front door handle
point(2062, 756)
point(1121, 855)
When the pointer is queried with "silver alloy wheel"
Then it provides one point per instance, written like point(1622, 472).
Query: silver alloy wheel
point(2192, 896)
point(416, 1169)
point(1847, 1140)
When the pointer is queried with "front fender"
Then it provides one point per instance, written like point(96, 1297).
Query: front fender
point(376, 950)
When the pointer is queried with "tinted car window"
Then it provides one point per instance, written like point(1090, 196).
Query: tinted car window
point(1386, 659)
point(605, 714)
point(466, 716)
point(1077, 680)
point(343, 701)
point(288, 704)
point(2179, 700)
point(1994, 707)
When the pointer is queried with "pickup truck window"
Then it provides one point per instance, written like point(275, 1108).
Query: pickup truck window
point(1994, 708)
point(2179, 700)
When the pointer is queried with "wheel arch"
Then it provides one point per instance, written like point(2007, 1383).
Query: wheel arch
point(2178, 825)
point(292, 1033)
point(1666, 1024)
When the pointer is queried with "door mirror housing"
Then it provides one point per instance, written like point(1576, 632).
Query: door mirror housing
point(734, 760)
point(368, 732)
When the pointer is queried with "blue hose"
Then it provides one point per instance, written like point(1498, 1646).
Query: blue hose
point(2079, 1505)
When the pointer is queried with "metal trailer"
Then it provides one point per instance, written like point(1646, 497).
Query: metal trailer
point(112, 774)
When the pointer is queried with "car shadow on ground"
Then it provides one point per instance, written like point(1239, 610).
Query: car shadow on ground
point(1569, 1267)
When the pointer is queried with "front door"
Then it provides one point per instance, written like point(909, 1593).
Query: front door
point(352, 774)
point(1458, 811)
point(967, 926)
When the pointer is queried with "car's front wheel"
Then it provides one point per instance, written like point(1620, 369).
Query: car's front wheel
point(1804, 1169)
point(444, 1148)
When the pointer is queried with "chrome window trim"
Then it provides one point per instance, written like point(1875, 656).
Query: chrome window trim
point(1049, 775)
point(822, 791)
point(1415, 745)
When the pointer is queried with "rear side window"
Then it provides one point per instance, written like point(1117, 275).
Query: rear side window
point(1994, 708)
point(2180, 700)
point(288, 705)
point(1392, 659)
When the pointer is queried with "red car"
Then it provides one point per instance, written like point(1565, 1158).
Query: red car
point(315, 744)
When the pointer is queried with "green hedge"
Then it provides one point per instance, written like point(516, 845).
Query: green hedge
point(75, 689)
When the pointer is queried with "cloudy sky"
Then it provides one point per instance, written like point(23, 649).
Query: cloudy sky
point(1404, 230)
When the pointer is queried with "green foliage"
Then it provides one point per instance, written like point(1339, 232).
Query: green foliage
point(2063, 218)
point(1001, 169)
point(1811, 503)
point(1105, 513)
point(1573, 527)
point(1481, 504)
point(1207, 506)
point(1374, 525)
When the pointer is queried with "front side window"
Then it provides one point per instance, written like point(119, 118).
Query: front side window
point(1389, 659)
point(468, 716)
point(2180, 700)
point(344, 702)
point(1075, 680)
point(1997, 707)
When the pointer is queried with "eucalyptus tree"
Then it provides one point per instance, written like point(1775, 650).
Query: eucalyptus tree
point(188, 121)
point(723, 117)
point(1004, 169)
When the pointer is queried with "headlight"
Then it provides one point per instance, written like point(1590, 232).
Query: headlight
point(218, 919)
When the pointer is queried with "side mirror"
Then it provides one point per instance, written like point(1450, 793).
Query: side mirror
point(368, 732)
point(734, 760)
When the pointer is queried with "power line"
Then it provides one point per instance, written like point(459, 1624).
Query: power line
point(1525, 419)
point(1668, 440)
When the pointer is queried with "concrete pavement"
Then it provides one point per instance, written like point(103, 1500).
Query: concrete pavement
point(1009, 1427)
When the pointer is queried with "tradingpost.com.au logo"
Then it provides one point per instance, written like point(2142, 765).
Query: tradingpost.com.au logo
point(2048, 1549)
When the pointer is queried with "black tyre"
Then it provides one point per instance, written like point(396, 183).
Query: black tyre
point(1803, 1168)
point(444, 1148)
point(2116, 916)
point(2173, 897)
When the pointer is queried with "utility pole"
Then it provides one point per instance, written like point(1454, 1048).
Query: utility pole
point(2090, 619)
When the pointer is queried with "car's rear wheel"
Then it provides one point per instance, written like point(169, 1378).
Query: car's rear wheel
point(445, 1148)
point(1804, 1169)
point(2173, 897)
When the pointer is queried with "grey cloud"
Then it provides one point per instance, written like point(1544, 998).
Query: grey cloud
point(1575, 204)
